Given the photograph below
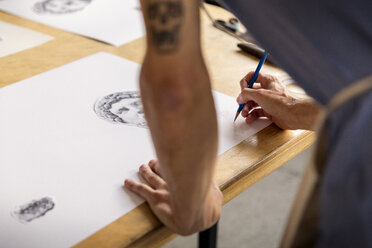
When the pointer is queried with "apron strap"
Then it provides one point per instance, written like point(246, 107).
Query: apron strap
point(302, 225)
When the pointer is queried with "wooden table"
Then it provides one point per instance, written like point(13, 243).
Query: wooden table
point(237, 169)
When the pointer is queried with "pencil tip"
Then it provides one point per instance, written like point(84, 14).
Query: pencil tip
point(236, 116)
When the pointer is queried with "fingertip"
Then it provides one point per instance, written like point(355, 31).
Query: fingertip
point(127, 182)
point(152, 162)
point(249, 119)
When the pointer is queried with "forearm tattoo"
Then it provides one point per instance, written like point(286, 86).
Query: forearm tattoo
point(165, 18)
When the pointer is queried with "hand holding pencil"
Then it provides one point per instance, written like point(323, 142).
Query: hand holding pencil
point(269, 98)
point(255, 75)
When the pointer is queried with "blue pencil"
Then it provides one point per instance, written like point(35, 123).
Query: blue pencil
point(255, 75)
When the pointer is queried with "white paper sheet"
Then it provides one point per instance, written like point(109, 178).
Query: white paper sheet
point(14, 39)
point(54, 146)
point(113, 21)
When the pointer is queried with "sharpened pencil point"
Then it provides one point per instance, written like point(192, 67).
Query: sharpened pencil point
point(236, 116)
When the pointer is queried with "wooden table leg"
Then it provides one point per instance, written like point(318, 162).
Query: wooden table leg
point(208, 238)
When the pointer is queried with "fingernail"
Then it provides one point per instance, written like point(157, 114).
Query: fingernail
point(239, 99)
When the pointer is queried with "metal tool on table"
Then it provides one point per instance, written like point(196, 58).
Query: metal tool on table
point(255, 50)
point(247, 42)
point(228, 28)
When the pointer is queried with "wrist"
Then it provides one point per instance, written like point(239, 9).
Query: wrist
point(306, 113)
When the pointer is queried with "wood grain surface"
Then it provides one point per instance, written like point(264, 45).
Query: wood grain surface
point(237, 169)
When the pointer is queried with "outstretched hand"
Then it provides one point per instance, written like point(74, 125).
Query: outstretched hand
point(157, 194)
point(269, 98)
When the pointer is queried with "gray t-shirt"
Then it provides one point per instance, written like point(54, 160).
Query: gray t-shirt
point(325, 45)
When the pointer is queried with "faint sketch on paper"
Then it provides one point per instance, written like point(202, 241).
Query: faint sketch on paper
point(60, 6)
point(33, 210)
point(1, 39)
point(122, 107)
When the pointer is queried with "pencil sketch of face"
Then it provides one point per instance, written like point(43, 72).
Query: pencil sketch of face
point(33, 210)
point(121, 107)
point(60, 6)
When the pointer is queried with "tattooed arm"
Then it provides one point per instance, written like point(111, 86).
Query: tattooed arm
point(179, 108)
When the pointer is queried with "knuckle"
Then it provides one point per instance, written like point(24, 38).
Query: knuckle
point(161, 196)
point(246, 95)
point(151, 178)
point(259, 92)
point(245, 92)
point(156, 197)
point(134, 187)
point(140, 187)
point(273, 78)
point(157, 169)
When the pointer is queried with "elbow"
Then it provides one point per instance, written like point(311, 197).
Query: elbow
point(197, 218)
point(189, 224)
